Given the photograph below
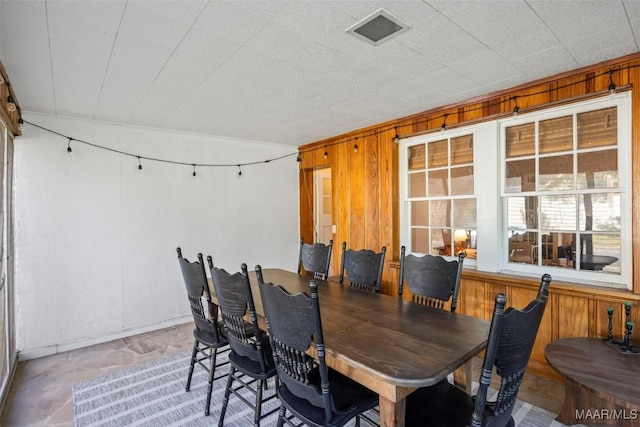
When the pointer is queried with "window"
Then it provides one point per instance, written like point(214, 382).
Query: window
point(542, 192)
point(439, 203)
point(565, 188)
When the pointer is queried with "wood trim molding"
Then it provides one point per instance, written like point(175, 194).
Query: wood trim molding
point(9, 118)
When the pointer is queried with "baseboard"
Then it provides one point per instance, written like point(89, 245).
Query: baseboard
point(35, 353)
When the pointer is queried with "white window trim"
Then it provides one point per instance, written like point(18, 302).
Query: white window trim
point(623, 102)
point(489, 168)
point(405, 237)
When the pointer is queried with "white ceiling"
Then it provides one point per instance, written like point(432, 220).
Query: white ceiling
point(285, 71)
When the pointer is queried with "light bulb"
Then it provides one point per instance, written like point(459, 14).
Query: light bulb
point(11, 106)
point(612, 85)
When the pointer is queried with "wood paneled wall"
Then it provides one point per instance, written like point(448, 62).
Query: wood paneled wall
point(366, 204)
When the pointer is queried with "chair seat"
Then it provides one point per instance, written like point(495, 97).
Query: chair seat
point(349, 397)
point(207, 338)
point(442, 404)
point(252, 367)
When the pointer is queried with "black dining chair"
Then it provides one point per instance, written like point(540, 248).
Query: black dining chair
point(511, 338)
point(315, 259)
point(432, 280)
point(363, 268)
point(308, 390)
point(251, 357)
point(208, 332)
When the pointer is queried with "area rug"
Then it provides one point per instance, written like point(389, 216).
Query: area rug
point(152, 394)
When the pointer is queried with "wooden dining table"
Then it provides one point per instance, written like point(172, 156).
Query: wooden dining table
point(390, 346)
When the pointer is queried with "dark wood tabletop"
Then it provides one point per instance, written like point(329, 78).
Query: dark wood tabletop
point(597, 376)
point(388, 345)
point(595, 262)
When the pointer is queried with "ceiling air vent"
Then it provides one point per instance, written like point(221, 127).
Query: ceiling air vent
point(378, 27)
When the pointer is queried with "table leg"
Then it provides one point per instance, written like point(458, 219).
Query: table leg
point(391, 413)
point(462, 377)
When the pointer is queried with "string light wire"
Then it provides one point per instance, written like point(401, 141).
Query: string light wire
point(339, 141)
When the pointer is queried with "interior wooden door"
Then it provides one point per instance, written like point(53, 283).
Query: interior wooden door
point(323, 205)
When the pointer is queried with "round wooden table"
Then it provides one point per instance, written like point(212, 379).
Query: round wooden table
point(602, 386)
point(596, 262)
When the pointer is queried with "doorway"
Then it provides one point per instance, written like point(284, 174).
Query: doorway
point(322, 206)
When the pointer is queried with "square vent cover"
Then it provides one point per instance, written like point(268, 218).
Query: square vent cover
point(378, 27)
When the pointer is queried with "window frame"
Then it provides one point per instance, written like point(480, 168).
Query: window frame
point(405, 200)
point(489, 172)
point(623, 103)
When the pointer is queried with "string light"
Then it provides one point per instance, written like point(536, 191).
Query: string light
point(239, 171)
point(139, 164)
point(355, 146)
point(444, 123)
point(396, 138)
point(11, 106)
point(612, 85)
point(69, 150)
point(194, 170)
point(516, 108)
point(20, 124)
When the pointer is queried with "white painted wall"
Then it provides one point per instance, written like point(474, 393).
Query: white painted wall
point(96, 239)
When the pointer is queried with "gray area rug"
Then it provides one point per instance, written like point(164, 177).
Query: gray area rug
point(152, 394)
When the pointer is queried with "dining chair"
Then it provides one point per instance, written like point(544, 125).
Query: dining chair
point(208, 332)
point(363, 268)
point(432, 280)
point(308, 389)
point(250, 356)
point(315, 259)
point(511, 337)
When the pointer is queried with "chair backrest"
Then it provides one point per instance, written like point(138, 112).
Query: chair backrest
point(315, 259)
point(363, 267)
point(236, 301)
point(204, 311)
point(511, 338)
point(293, 322)
point(522, 252)
point(432, 280)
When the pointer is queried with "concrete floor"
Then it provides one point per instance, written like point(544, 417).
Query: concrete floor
point(40, 394)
